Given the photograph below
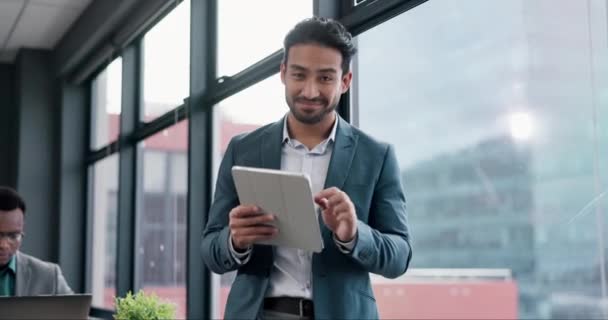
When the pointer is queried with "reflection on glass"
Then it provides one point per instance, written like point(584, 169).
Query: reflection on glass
point(521, 125)
point(245, 38)
point(166, 58)
point(105, 206)
point(161, 215)
point(106, 101)
point(500, 126)
point(244, 112)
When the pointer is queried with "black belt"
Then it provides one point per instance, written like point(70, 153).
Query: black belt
point(297, 306)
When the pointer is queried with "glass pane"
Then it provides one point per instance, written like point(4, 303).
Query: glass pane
point(233, 116)
point(105, 103)
point(166, 58)
point(245, 38)
point(500, 122)
point(103, 242)
point(161, 215)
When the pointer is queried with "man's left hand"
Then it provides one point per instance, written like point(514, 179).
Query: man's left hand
point(338, 213)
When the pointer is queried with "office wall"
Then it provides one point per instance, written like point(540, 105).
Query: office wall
point(8, 126)
point(38, 151)
point(72, 205)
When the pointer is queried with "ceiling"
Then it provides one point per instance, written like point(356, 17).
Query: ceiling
point(36, 24)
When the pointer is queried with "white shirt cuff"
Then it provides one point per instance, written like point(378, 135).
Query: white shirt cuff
point(240, 258)
point(346, 247)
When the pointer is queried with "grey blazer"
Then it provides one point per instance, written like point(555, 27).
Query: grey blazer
point(36, 277)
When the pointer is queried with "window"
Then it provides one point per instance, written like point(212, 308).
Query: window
point(245, 38)
point(166, 55)
point(236, 115)
point(106, 102)
point(497, 112)
point(104, 192)
point(161, 215)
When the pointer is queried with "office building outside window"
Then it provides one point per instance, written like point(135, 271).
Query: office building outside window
point(497, 112)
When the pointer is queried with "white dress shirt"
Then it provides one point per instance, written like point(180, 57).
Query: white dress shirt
point(291, 274)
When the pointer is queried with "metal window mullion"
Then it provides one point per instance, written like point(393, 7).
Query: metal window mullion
point(169, 232)
point(203, 64)
point(129, 119)
point(359, 19)
point(332, 9)
point(89, 176)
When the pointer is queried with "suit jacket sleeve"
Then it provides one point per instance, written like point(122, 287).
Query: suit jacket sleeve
point(214, 246)
point(383, 245)
point(62, 285)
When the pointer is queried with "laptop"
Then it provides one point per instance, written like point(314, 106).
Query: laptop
point(75, 306)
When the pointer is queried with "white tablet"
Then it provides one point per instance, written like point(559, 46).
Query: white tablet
point(287, 195)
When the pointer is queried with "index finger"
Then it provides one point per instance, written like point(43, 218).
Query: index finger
point(245, 211)
point(327, 193)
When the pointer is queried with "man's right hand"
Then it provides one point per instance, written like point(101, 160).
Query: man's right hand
point(249, 225)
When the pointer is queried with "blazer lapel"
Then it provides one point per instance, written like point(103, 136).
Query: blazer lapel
point(271, 146)
point(342, 155)
point(23, 276)
point(339, 167)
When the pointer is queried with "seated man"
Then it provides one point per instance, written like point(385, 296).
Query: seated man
point(20, 274)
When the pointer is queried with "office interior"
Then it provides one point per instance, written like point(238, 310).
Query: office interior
point(115, 114)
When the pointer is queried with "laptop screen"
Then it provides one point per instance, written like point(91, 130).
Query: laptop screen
point(75, 306)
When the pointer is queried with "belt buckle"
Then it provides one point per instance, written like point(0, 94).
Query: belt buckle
point(301, 304)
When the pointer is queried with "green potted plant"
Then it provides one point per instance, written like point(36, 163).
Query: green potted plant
point(142, 306)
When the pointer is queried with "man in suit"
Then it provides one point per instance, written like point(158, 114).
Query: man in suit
point(21, 274)
point(357, 187)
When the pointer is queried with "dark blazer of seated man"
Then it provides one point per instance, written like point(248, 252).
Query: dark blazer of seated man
point(356, 182)
point(21, 274)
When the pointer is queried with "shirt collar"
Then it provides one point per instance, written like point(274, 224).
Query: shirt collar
point(332, 134)
point(11, 265)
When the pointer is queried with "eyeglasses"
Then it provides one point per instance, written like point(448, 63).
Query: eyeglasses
point(12, 237)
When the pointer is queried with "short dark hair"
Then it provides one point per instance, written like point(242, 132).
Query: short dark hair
point(10, 200)
point(325, 32)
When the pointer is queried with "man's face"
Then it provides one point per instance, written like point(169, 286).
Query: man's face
point(11, 225)
point(314, 81)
